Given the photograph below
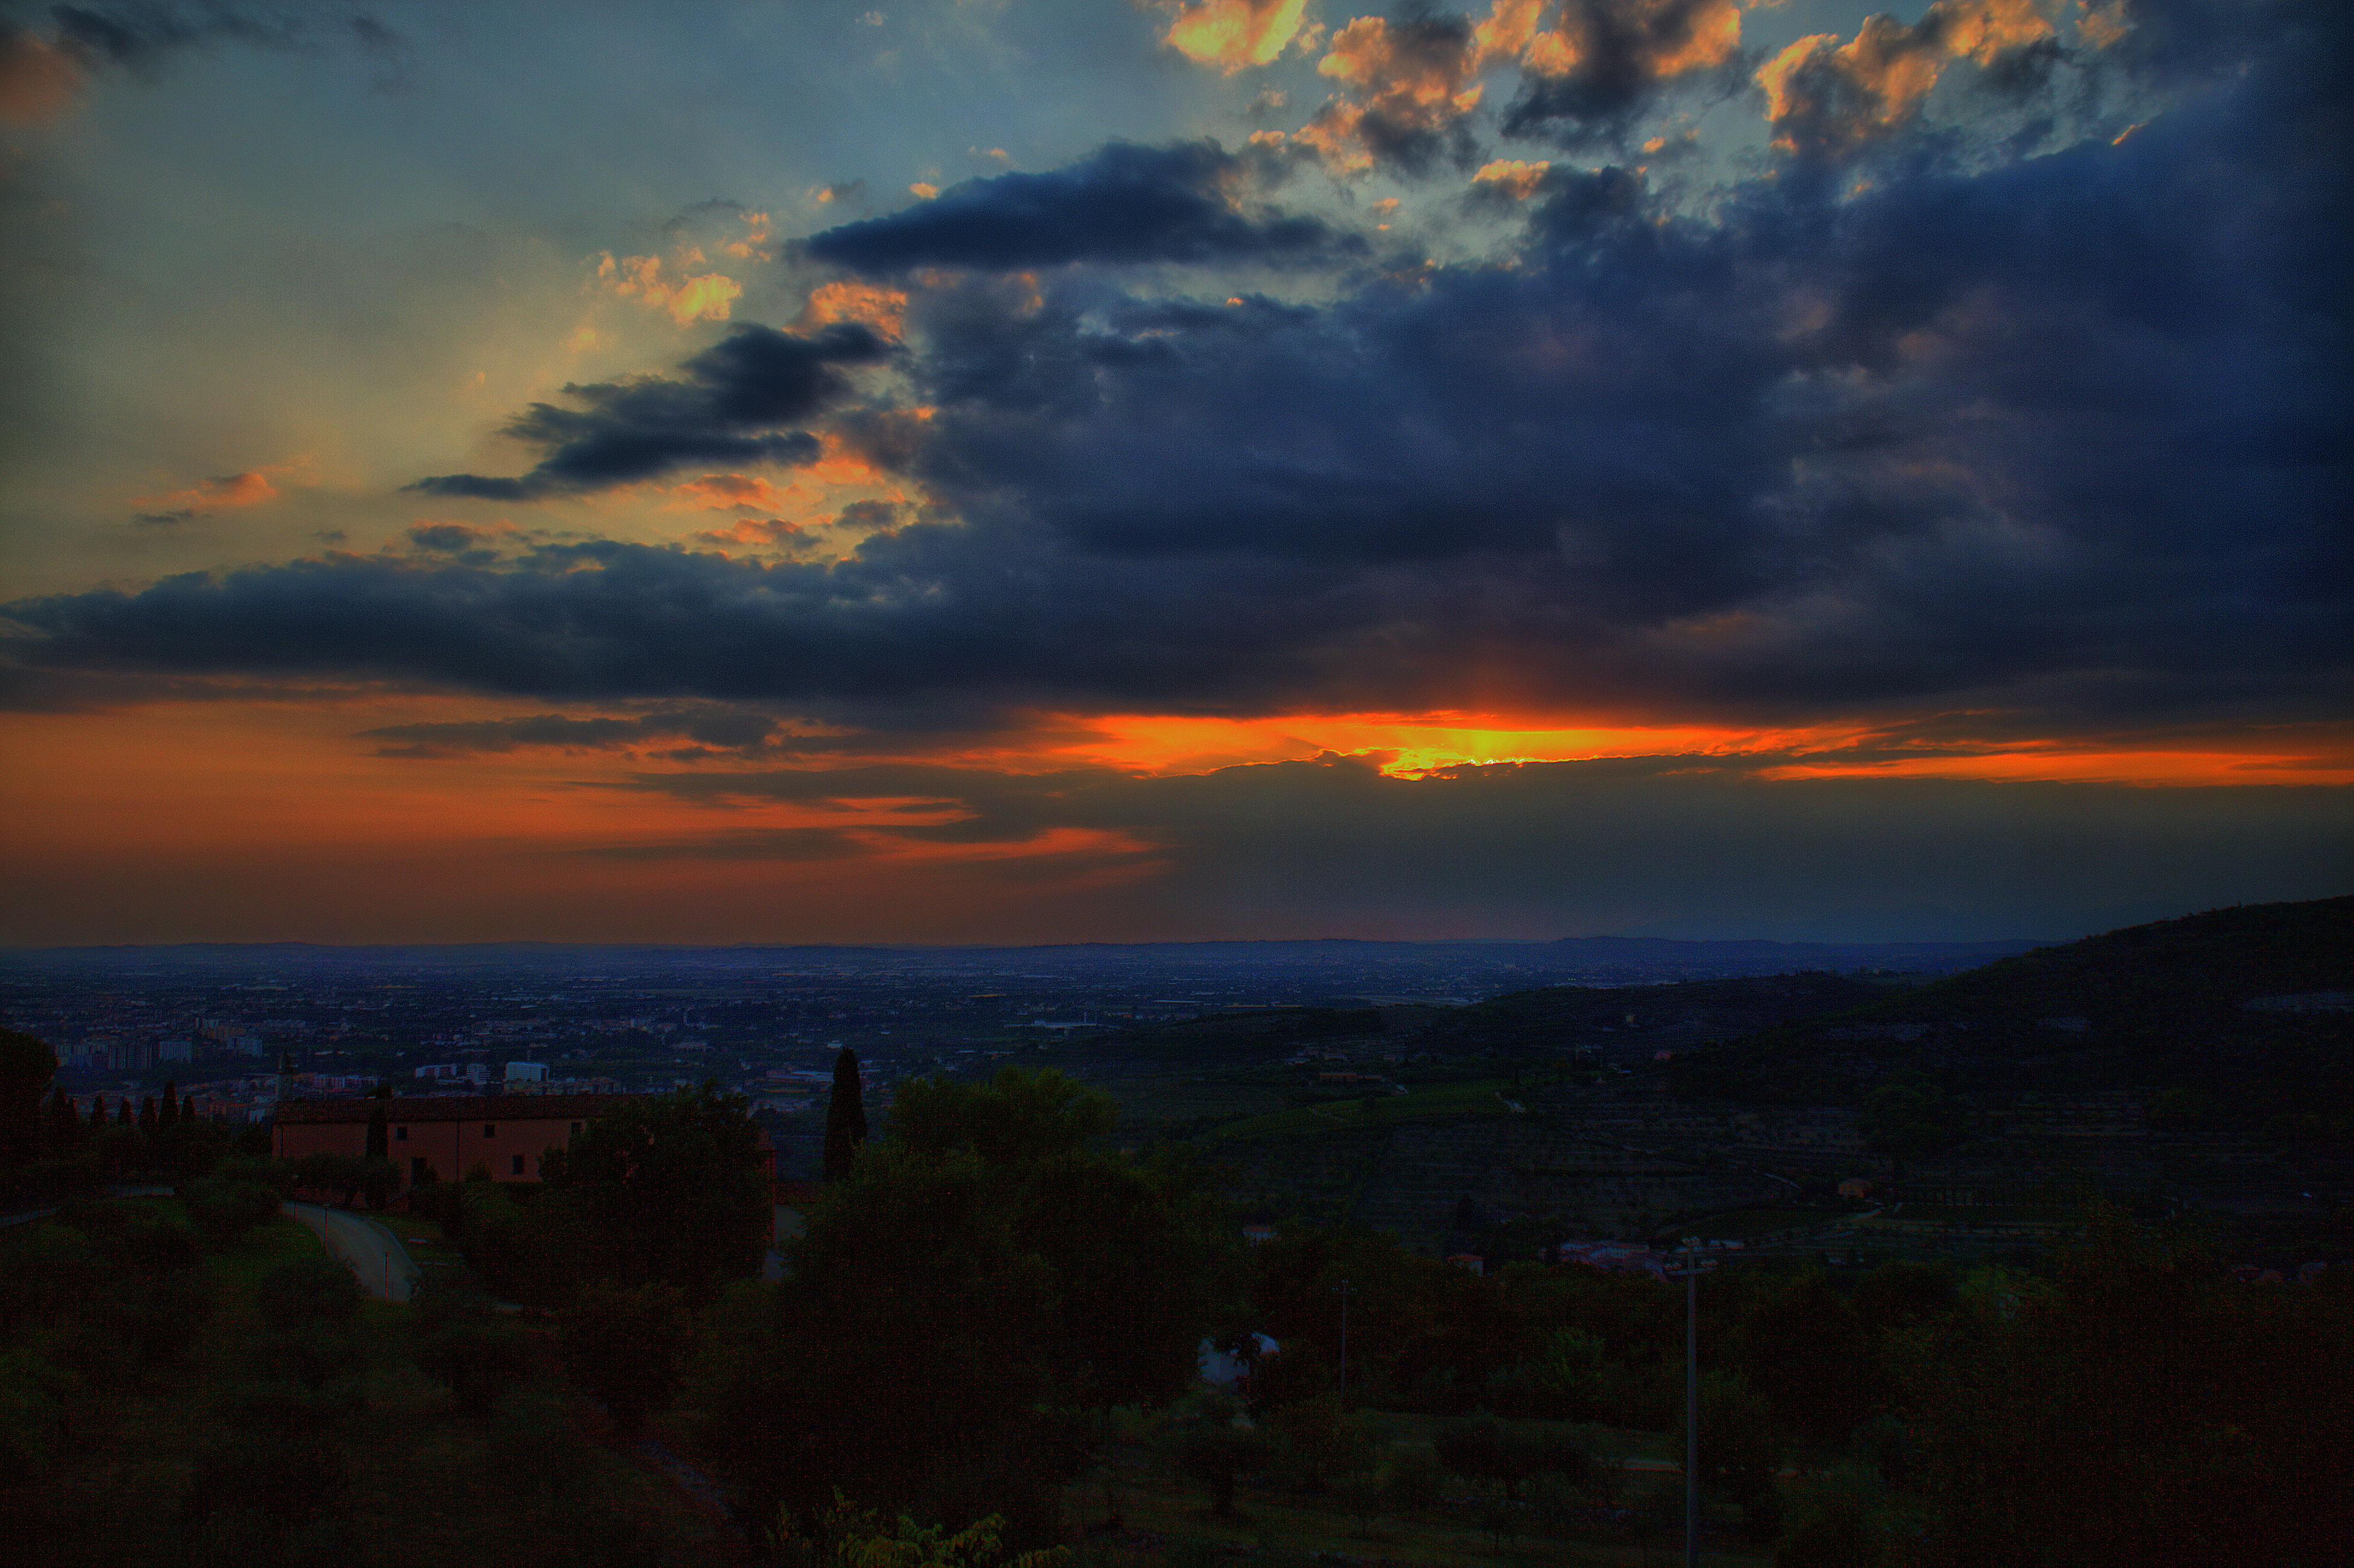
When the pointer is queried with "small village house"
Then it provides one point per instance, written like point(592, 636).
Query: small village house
point(442, 1137)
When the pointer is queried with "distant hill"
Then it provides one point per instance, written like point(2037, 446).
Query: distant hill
point(2189, 1005)
point(1351, 963)
point(1675, 1014)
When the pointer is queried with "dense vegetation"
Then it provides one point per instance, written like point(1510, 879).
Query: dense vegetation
point(991, 1324)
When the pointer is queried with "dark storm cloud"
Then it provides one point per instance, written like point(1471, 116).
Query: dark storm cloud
point(1125, 204)
point(1617, 845)
point(712, 728)
point(727, 412)
point(929, 612)
point(1624, 53)
point(2066, 436)
point(142, 38)
point(139, 36)
point(766, 844)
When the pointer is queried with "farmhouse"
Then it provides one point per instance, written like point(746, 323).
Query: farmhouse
point(445, 1136)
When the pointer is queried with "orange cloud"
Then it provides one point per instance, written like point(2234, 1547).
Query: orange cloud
point(208, 495)
point(1415, 77)
point(1234, 35)
point(1421, 77)
point(765, 534)
point(37, 81)
point(1510, 26)
point(726, 492)
point(1667, 37)
point(2103, 22)
point(1513, 175)
point(1831, 95)
point(885, 310)
point(706, 297)
point(754, 245)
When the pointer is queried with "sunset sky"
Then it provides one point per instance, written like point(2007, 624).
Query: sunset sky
point(1012, 471)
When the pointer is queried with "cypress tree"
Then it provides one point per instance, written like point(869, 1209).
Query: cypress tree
point(169, 1113)
point(845, 1117)
point(63, 1134)
point(97, 1112)
point(123, 1111)
point(147, 1118)
point(379, 1137)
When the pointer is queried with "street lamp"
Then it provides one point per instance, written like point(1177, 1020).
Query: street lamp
point(1693, 1267)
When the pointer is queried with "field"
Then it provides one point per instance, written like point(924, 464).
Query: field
point(1168, 1521)
point(1380, 1107)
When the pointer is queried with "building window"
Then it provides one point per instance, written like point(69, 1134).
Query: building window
point(518, 1165)
point(400, 1135)
point(490, 1130)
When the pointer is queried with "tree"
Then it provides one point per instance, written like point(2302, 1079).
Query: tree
point(307, 1292)
point(911, 1334)
point(1104, 1230)
point(379, 1135)
point(168, 1113)
point(845, 1117)
point(1016, 1117)
point(61, 1136)
point(1740, 1448)
point(148, 1116)
point(675, 1185)
point(26, 1066)
point(2141, 1408)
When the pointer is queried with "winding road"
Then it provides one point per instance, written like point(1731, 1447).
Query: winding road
point(373, 1253)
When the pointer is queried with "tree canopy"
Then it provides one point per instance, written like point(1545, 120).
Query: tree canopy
point(675, 1183)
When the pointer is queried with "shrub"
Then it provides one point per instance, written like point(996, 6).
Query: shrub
point(286, 1479)
point(1835, 1534)
point(624, 1347)
point(224, 1207)
point(1314, 1441)
point(307, 1290)
point(480, 1361)
point(1415, 1478)
point(161, 1317)
point(1492, 1450)
point(1218, 1456)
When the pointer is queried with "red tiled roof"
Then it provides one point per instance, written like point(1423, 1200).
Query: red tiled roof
point(454, 1107)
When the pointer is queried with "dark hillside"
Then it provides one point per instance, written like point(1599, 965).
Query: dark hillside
point(2166, 1005)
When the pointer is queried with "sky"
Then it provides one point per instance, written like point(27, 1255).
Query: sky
point(1036, 471)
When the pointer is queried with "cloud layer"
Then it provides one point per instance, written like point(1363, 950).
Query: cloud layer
point(2017, 436)
point(731, 408)
point(1123, 204)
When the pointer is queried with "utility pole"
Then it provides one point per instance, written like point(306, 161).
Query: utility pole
point(1344, 1290)
point(1693, 1267)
